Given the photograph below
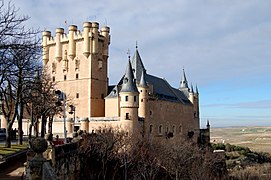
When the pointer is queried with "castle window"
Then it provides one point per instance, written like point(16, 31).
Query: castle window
point(126, 98)
point(77, 63)
point(53, 67)
point(150, 112)
point(100, 64)
point(140, 90)
point(160, 129)
point(77, 76)
point(150, 129)
point(134, 98)
point(127, 116)
point(65, 77)
point(54, 78)
point(77, 95)
point(141, 100)
point(146, 91)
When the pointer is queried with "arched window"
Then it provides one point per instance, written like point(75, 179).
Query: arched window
point(160, 129)
point(150, 129)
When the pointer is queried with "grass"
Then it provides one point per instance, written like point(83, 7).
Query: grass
point(13, 149)
point(256, 138)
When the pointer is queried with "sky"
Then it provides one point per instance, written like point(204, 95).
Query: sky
point(223, 45)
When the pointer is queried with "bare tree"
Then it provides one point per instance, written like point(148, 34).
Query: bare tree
point(19, 52)
point(43, 102)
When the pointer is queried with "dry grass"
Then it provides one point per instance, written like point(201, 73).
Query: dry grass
point(255, 138)
point(14, 148)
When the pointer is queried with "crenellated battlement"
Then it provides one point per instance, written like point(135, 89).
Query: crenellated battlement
point(91, 36)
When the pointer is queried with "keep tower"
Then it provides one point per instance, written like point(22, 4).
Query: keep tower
point(78, 63)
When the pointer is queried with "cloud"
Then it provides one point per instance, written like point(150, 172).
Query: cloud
point(263, 104)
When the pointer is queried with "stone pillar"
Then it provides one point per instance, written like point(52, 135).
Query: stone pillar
point(84, 124)
point(38, 145)
point(69, 125)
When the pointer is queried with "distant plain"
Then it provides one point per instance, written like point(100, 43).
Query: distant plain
point(256, 138)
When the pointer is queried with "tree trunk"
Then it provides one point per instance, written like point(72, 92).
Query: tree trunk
point(50, 125)
point(20, 125)
point(8, 139)
point(36, 126)
point(30, 132)
point(43, 125)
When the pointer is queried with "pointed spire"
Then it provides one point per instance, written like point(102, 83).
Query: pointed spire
point(184, 82)
point(192, 90)
point(197, 91)
point(208, 124)
point(128, 84)
point(137, 65)
point(143, 82)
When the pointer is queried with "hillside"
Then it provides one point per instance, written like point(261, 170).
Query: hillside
point(255, 138)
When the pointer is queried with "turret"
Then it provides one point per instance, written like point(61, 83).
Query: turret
point(129, 100)
point(95, 36)
point(208, 125)
point(87, 45)
point(143, 96)
point(105, 32)
point(191, 94)
point(197, 92)
point(184, 85)
point(58, 52)
point(45, 37)
point(184, 82)
point(196, 106)
point(72, 46)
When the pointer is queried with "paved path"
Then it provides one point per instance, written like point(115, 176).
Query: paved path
point(14, 170)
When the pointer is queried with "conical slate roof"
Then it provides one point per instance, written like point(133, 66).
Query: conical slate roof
point(184, 82)
point(137, 66)
point(143, 82)
point(128, 84)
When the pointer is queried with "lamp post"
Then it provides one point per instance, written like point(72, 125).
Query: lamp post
point(72, 111)
point(62, 97)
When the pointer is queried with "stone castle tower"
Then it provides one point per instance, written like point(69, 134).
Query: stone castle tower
point(77, 62)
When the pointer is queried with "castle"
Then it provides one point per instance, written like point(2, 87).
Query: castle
point(140, 103)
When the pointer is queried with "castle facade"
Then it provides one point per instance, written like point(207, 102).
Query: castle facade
point(141, 103)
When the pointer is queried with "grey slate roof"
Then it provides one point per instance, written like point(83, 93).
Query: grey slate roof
point(114, 92)
point(143, 82)
point(161, 88)
point(128, 84)
point(184, 82)
point(137, 66)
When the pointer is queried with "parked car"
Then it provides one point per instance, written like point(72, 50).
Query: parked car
point(2, 133)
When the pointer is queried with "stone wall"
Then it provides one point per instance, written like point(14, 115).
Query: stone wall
point(65, 161)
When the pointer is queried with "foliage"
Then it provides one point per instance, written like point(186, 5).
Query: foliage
point(259, 171)
point(244, 163)
point(109, 155)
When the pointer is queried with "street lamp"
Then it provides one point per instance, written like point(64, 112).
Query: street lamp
point(62, 97)
point(72, 111)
